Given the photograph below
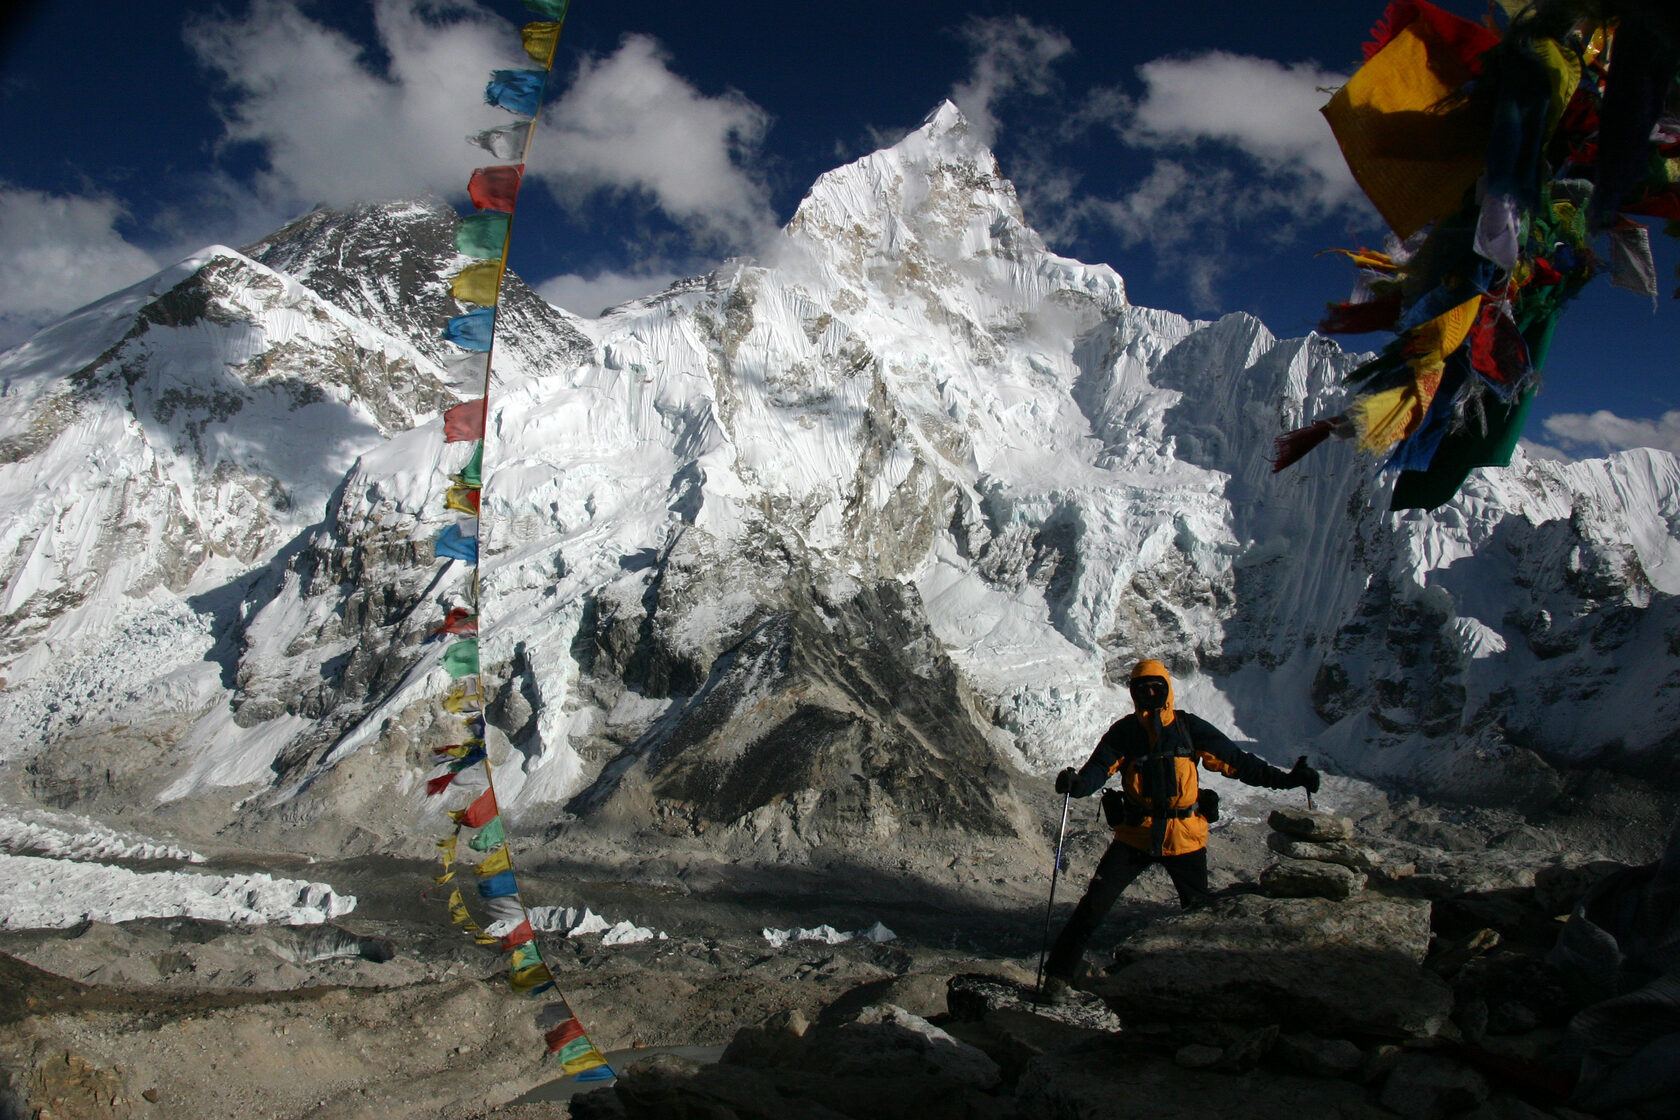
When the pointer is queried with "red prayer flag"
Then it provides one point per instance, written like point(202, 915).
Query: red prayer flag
point(519, 935)
point(495, 188)
point(464, 422)
point(564, 1033)
point(460, 621)
point(479, 813)
point(437, 785)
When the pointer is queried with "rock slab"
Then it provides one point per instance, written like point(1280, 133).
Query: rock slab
point(1304, 964)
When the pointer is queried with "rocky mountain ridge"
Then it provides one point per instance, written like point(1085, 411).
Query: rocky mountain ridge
point(829, 549)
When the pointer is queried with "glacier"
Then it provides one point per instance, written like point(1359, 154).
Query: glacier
point(842, 547)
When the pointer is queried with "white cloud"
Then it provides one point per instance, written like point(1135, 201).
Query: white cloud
point(1604, 432)
point(1010, 56)
point(588, 296)
point(629, 124)
point(333, 128)
point(1268, 110)
point(337, 123)
point(1242, 156)
point(58, 253)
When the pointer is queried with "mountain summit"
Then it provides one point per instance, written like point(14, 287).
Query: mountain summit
point(824, 553)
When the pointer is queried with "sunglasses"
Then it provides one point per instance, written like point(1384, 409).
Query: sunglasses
point(1150, 692)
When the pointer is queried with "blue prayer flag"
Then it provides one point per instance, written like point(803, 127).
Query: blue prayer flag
point(517, 91)
point(455, 545)
point(499, 885)
point(474, 330)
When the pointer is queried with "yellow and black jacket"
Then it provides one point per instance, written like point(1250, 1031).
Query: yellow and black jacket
point(1155, 754)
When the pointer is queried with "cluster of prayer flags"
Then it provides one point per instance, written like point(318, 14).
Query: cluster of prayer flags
point(1499, 161)
point(483, 238)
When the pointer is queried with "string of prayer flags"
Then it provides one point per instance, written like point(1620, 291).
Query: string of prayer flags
point(1501, 161)
point(483, 237)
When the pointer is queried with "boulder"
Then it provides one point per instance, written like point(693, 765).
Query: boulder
point(1422, 1087)
point(886, 1040)
point(972, 997)
point(778, 1041)
point(1305, 964)
point(1101, 1083)
point(1198, 1055)
point(1559, 886)
point(1307, 825)
point(1305, 878)
point(1321, 1057)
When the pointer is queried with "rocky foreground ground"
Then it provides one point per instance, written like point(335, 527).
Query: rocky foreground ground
point(1386, 959)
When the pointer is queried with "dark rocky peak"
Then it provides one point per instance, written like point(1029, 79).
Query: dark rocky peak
point(389, 264)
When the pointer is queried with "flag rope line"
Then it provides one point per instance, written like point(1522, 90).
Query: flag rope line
point(494, 193)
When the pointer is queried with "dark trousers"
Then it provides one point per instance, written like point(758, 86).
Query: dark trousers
point(1115, 871)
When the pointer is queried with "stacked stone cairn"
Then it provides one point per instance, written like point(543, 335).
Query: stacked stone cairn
point(1320, 857)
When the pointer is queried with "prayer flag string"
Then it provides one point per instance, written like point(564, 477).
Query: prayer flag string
point(1499, 162)
point(484, 237)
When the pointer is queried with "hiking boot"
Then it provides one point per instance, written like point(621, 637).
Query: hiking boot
point(1055, 990)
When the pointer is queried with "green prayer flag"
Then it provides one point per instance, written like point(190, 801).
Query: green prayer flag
point(483, 235)
point(492, 835)
point(461, 658)
point(472, 475)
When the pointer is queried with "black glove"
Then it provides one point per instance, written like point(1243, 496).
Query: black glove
point(1304, 776)
point(1065, 780)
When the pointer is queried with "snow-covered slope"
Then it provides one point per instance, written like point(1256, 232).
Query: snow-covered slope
point(825, 547)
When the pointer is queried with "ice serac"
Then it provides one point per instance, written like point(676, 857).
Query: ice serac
point(820, 552)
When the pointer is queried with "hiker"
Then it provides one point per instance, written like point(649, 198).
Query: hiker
point(1155, 750)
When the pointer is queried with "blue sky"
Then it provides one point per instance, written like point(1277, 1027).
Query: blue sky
point(1178, 142)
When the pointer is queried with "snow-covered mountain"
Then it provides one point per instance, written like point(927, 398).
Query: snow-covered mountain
point(831, 548)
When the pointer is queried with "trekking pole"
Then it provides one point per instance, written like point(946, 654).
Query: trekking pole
point(1056, 870)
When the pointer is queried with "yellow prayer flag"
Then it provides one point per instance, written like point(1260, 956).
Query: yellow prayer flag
point(1564, 69)
point(527, 978)
point(591, 1060)
point(1389, 416)
point(461, 499)
point(496, 862)
point(478, 283)
point(446, 848)
point(540, 39)
point(458, 910)
point(457, 702)
point(1412, 155)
